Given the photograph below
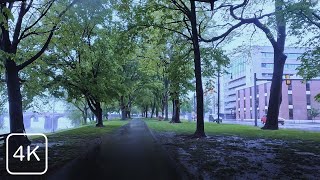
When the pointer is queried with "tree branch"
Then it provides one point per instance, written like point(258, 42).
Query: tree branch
point(18, 26)
point(46, 44)
point(40, 17)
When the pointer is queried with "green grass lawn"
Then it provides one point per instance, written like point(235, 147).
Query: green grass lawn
point(233, 129)
point(70, 144)
point(86, 132)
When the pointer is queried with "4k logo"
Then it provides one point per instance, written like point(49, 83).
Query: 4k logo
point(23, 160)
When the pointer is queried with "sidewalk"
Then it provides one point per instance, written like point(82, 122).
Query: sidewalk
point(130, 153)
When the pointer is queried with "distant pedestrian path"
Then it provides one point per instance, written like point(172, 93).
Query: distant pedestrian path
point(130, 153)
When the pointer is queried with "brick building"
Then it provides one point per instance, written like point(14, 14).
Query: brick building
point(297, 100)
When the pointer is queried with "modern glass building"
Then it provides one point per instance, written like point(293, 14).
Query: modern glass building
point(259, 60)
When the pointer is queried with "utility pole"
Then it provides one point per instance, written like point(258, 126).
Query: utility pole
point(218, 94)
point(255, 99)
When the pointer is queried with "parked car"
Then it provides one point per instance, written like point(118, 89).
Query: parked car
point(215, 118)
point(280, 120)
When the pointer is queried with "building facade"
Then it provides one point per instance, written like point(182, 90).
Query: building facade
point(259, 60)
point(297, 100)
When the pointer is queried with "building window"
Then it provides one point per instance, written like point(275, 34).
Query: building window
point(238, 94)
point(266, 111)
point(267, 65)
point(257, 89)
point(250, 102)
point(244, 114)
point(265, 87)
point(258, 114)
point(250, 89)
point(267, 54)
point(250, 114)
point(290, 113)
point(244, 103)
point(238, 104)
point(290, 99)
point(244, 92)
point(257, 100)
point(290, 87)
point(308, 99)
point(266, 100)
point(308, 86)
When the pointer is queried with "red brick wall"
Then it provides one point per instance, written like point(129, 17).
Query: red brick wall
point(314, 90)
point(284, 110)
point(299, 98)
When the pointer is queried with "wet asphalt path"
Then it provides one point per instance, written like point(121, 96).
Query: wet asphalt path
point(130, 153)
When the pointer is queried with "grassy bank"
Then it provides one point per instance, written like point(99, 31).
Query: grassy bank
point(233, 129)
point(67, 145)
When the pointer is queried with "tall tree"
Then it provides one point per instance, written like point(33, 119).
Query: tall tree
point(81, 63)
point(13, 33)
point(243, 16)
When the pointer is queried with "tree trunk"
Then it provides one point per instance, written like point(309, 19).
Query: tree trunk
point(92, 116)
point(123, 108)
point(146, 112)
point(84, 118)
point(153, 107)
point(176, 111)
point(95, 107)
point(275, 92)
point(197, 70)
point(157, 111)
point(129, 109)
point(85, 114)
point(162, 109)
point(99, 116)
point(15, 105)
point(279, 61)
point(173, 110)
point(166, 106)
point(128, 114)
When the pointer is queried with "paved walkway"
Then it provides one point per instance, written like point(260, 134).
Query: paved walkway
point(130, 153)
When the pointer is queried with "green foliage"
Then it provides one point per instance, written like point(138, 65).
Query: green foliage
point(75, 117)
point(305, 20)
point(108, 50)
point(314, 113)
point(310, 64)
point(214, 60)
point(180, 69)
point(187, 105)
point(82, 63)
point(302, 20)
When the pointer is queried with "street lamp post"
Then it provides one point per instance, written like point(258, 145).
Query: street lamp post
point(255, 99)
point(218, 94)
